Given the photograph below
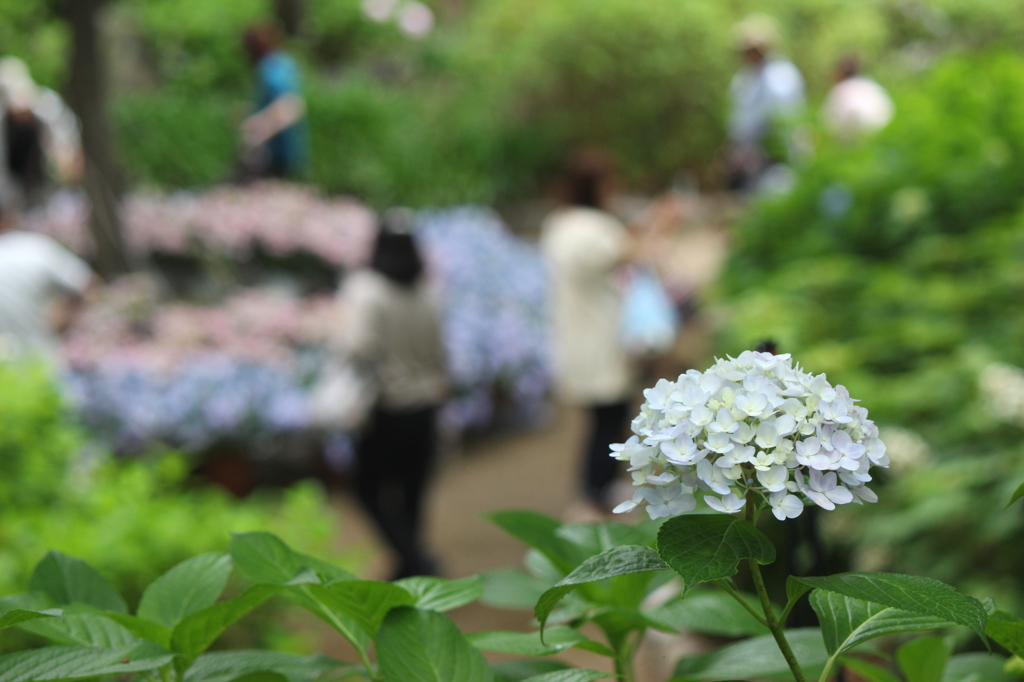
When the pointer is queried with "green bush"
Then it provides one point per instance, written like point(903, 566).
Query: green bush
point(131, 518)
point(894, 266)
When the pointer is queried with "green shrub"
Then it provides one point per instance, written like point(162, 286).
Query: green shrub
point(894, 266)
point(131, 518)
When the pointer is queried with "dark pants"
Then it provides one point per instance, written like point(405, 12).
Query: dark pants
point(394, 460)
point(608, 425)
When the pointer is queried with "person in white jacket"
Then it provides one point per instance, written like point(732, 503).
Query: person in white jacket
point(856, 105)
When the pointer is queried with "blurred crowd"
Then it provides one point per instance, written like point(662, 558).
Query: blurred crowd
point(433, 309)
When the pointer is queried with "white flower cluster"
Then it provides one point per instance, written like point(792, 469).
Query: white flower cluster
point(751, 423)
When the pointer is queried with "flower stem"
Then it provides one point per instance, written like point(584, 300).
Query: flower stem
point(766, 605)
point(624, 661)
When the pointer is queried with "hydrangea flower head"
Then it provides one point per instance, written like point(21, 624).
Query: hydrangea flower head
point(754, 423)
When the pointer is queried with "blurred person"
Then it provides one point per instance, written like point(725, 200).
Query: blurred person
point(274, 137)
point(392, 329)
point(584, 245)
point(856, 105)
point(41, 286)
point(766, 93)
point(41, 137)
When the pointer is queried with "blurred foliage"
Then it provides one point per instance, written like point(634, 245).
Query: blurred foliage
point(895, 267)
point(486, 107)
point(132, 519)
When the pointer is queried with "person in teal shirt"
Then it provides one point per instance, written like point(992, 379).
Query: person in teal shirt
point(275, 135)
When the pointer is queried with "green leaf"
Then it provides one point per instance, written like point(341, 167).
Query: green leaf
point(540, 532)
point(794, 590)
point(67, 580)
point(84, 629)
point(517, 671)
point(438, 594)
point(415, 645)
point(142, 628)
point(615, 562)
point(77, 662)
point(556, 639)
point(1017, 494)
point(225, 666)
point(569, 676)
point(923, 659)
point(19, 616)
point(713, 613)
point(847, 622)
point(915, 594)
point(976, 667)
point(757, 658)
point(190, 586)
point(706, 547)
point(1008, 630)
point(869, 672)
point(265, 558)
point(512, 589)
point(366, 602)
point(198, 630)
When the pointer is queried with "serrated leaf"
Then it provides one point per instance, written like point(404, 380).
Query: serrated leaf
point(923, 659)
point(757, 658)
point(1017, 494)
point(615, 562)
point(1006, 629)
point(198, 630)
point(225, 666)
point(78, 662)
point(67, 580)
point(713, 613)
point(569, 676)
point(366, 602)
point(142, 628)
point(847, 622)
point(915, 594)
point(415, 645)
point(84, 629)
point(266, 558)
point(438, 594)
point(19, 616)
point(556, 639)
point(540, 532)
point(867, 671)
point(706, 547)
point(190, 586)
point(512, 589)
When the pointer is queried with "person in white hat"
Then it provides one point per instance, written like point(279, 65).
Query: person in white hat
point(767, 91)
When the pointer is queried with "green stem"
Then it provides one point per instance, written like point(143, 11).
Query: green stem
point(766, 605)
point(727, 586)
point(828, 667)
point(624, 660)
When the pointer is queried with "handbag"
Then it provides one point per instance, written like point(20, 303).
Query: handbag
point(342, 398)
point(650, 321)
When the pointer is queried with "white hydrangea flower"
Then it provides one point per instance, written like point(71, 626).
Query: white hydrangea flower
point(753, 423)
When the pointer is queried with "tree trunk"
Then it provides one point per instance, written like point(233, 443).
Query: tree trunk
point(289, 14)
point(87, 95)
